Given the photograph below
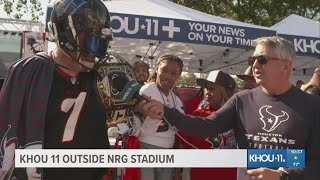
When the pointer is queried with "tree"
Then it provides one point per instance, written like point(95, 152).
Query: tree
point(18, 8)
point(259, 12)
point(187, 80)
point(239, 84)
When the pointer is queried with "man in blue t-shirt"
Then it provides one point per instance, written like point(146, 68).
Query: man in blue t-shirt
point(275, 115)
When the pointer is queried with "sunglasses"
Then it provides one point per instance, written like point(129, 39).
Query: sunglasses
point(262, 59)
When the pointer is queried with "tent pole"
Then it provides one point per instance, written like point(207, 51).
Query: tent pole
point(200, 63)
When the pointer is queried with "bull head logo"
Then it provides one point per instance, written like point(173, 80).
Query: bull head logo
point(271, 121)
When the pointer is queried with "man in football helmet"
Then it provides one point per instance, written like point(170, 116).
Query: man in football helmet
point(82, 32)
point(50, 100)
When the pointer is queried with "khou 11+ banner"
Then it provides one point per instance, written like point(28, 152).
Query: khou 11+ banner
point(178, 30)
point(51, 158)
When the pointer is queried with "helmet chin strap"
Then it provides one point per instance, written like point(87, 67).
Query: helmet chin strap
point(88, 65)
point(84, 65)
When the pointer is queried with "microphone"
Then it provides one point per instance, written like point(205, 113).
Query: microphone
point(128, 88)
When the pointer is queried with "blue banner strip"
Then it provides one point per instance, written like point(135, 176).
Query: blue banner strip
point(177, 30)
point(304, 46)
point(289, 158)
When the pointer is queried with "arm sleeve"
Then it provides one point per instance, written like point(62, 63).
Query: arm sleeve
point(218, 122)
point(23, 100)
point(312, 155)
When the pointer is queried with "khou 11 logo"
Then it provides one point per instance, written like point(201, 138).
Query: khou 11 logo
point(275, 158)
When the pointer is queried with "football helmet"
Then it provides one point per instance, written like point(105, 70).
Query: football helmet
point(71, 19)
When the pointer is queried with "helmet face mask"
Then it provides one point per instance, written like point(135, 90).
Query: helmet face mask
point(82, 26)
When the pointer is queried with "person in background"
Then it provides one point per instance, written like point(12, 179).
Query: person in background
point(156, 133)
point(299, 83)
point(315, 79)
point(141, 70)
point(248, 79)
point(215, 95)
point(275, 108)
point(57, 105)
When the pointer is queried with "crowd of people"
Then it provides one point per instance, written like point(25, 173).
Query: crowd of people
point(275, 108)
point(56, 105)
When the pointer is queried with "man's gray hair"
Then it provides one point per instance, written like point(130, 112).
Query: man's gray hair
point(284, 48)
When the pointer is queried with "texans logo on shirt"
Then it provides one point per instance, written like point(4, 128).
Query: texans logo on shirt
point(215, 142)
point(271, 121)
point(225, 140)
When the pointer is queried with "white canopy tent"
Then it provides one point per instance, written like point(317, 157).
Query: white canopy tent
point(305, 34)
point(298, 26)
point(146, 29)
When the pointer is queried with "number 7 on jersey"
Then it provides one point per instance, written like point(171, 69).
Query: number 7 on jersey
point(72, 121)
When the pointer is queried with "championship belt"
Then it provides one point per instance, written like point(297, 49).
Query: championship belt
point(119, 113)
